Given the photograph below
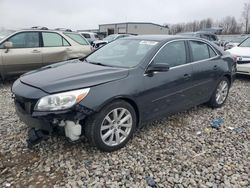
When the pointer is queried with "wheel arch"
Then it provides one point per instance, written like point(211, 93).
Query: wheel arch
point(228, 76)
point(127, 99)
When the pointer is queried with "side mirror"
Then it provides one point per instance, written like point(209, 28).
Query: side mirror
point(7, 45)
point(161, 67)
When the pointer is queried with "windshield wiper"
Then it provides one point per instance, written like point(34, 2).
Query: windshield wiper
point(97, 63)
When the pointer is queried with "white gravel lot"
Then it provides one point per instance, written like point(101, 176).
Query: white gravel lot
point(179, 151)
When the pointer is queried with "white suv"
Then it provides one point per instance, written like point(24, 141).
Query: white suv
point(91, 37)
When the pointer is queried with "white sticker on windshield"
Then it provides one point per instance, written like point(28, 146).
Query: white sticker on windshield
point(152, 43)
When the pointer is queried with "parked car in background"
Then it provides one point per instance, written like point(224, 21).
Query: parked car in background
point(91, 37)
point(99, 43)
point(110, 93)
point(29, 49)
point(204, 35)
point(233, 42)
point(242, 55)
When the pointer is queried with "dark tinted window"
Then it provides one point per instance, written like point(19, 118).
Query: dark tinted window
point(213, 38)
point(173, 54)
point(199, 50)
point(25, 40)
point(86, 35)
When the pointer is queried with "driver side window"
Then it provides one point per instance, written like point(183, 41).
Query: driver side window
point(25, 40)
point(173, 54)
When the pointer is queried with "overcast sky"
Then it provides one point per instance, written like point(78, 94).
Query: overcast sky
point(87, 14)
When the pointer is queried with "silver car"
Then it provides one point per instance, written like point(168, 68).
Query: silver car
point(26, 50)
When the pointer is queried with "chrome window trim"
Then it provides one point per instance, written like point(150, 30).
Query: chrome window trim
point(190, 63)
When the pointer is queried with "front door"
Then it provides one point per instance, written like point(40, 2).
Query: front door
point(25, 55)
point(168, 92)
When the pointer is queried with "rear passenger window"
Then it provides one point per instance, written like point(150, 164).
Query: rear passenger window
point(53, 40)
point(199, 50)
point(65, 43)
point(173, 54)
point(211, 52)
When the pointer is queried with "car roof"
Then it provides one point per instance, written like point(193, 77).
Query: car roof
point(83, 32)
point(197, 32)
point(46, 30)
point(160, 38)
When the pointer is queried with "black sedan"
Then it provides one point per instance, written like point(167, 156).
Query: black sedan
point(109, 94)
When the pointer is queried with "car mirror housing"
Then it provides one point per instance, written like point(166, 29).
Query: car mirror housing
point(7, 45)
point(159, 67)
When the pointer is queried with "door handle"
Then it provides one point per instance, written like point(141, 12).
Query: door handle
point(215, 67)
point(187, 76)
point(35, 51)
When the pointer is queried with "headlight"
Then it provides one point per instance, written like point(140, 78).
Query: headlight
point(61, 101)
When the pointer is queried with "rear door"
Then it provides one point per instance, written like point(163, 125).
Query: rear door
point(25, 55)
point(205, 69)
point(168, 92)
point(55, 48)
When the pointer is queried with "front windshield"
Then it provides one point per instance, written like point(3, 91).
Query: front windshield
point(122, 53)
point(110, 38)
point(245, 43)
point(238, 39)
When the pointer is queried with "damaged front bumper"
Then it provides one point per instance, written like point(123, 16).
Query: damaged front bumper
point(49, 122)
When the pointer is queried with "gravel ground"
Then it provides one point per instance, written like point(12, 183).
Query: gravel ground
point(179, 151)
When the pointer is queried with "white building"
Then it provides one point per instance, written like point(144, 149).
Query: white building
point(139, 28)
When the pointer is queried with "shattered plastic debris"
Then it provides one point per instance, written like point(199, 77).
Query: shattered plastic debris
point(150, 181)
point(231, 128)
point(216, 123)
point(198, 133)
point(240, 130)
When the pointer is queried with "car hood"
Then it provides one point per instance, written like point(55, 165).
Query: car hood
point(69, 75)
point(240, 51)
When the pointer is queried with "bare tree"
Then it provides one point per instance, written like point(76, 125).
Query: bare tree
point(246, 16)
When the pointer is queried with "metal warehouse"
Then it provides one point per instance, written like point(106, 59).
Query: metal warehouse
point(140, 28)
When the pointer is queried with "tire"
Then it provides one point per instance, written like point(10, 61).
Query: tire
point(103, 131)
point(1, 81)
point(215, 101)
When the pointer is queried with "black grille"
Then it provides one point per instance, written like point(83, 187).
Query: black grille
point(243, 62)
point(27, 105)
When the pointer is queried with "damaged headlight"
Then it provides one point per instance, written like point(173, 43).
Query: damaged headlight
point(61, 101)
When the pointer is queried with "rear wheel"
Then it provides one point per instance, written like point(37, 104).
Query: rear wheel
point(112, 127)
point(220, 94)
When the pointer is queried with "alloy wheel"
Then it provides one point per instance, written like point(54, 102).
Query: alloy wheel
point(116, 126)
point(222, 91)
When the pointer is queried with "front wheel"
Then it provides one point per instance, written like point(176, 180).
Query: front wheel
point(112, 127)
point(220, 94)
